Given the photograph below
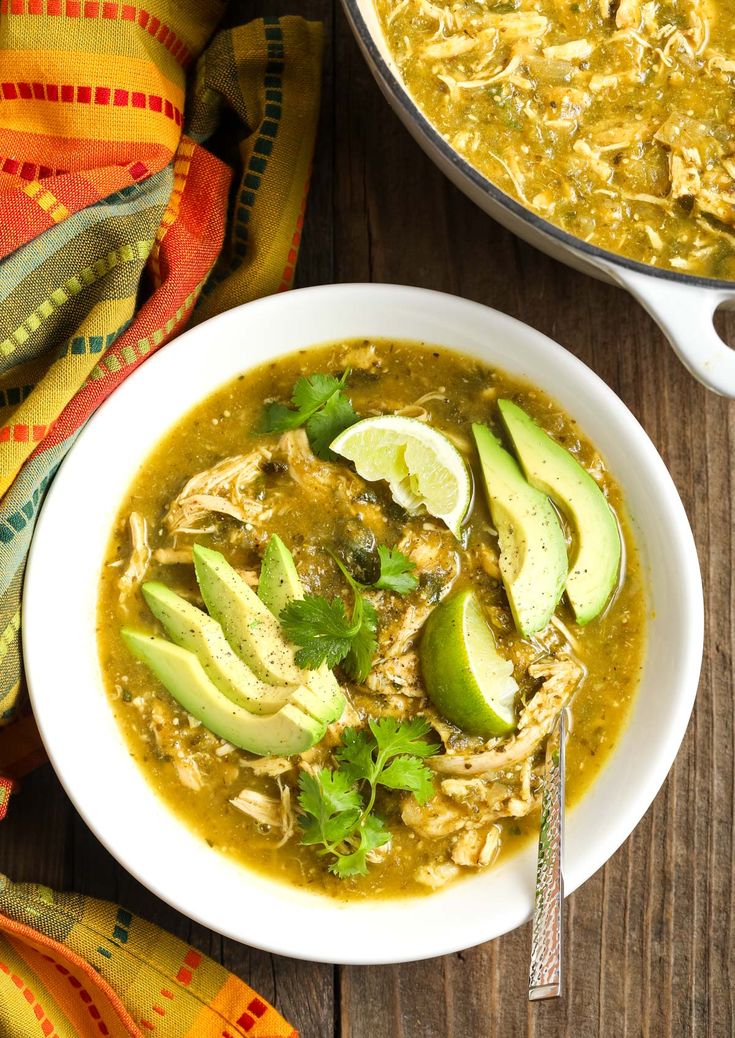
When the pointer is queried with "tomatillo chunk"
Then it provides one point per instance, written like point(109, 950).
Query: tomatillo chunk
point(467, 678)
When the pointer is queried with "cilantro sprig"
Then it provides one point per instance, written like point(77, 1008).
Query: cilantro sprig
point(338, 806)
point(326, 634)
point(321, 405)
point(396, 572)
point(323, 629)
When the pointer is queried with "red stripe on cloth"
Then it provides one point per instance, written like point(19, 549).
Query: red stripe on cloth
point(83, 95)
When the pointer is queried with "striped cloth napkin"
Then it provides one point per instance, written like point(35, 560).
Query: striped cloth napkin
point(117, 223)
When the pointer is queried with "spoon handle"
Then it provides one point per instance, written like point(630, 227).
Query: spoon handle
point(544, 980)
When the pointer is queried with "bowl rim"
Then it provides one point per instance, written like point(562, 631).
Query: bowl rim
point(471, 932)
point(402, 99)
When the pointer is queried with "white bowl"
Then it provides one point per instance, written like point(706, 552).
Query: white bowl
point(76, 721)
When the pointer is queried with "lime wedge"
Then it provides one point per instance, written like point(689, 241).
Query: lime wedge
point(466, 677)
point(421, 466)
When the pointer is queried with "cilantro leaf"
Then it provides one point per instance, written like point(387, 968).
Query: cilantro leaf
point(364, 645)
point(315, 390)
point(410, 774)
point(320, 627)
point(326, 424)
point(325, 635)
point(396, 571)
point(331, 806)
point(356, 755)
point(320, 404)
point(395, 737)
point(278, 418)
point(388, 754)
point(372, 834)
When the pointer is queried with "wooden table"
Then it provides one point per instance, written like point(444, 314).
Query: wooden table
point(650, 938)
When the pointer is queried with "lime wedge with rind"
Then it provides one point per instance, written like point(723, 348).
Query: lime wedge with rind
point(421, 465)
point(466, 676)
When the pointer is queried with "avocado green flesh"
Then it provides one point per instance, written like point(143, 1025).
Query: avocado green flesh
point(533, 553)
point(280, 584)
point(595, 564)
point(286, 732)
point(279, 581)
point(467, 678)
point(192, 629)
point(251, 629)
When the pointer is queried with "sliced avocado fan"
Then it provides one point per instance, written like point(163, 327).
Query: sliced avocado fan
point(214, 664)
point(595, 563)
point(533, 552)
point(192, 629)
point(292, 729)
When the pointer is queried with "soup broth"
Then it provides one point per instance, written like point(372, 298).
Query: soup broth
point(613, 120)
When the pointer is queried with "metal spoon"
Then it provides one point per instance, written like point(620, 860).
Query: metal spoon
point(544, 979)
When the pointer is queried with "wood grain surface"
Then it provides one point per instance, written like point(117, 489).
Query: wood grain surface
point(650, 937)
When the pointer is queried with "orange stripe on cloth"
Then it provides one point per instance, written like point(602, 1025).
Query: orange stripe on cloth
point(252, 1016)
point(48, 959)
point(187, 253)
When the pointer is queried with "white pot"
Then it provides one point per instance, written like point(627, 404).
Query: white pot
point(683, 306)
point(76, 721)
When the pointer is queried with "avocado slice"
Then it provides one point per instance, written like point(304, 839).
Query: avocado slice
point(288, 731)
point(279, 581)
point(533, 552)
point(279, 584)
point(248, 625)
point(595, 562)
point(192, 629)
point(251, 628)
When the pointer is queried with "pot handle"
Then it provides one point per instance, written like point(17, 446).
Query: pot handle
point(685, 313)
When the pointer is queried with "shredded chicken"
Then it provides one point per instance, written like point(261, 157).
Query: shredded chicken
point(173, 556)
point(361, 358)
point(628, 14)
point(220, 489)
point(473, 848)
point(575, 50)
point(560, 679)
point(394, 673)
point(438, 817)
point(140, 555)
point(271, 766)
point(188, 772)
point(269, 811)
point(510, 793)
